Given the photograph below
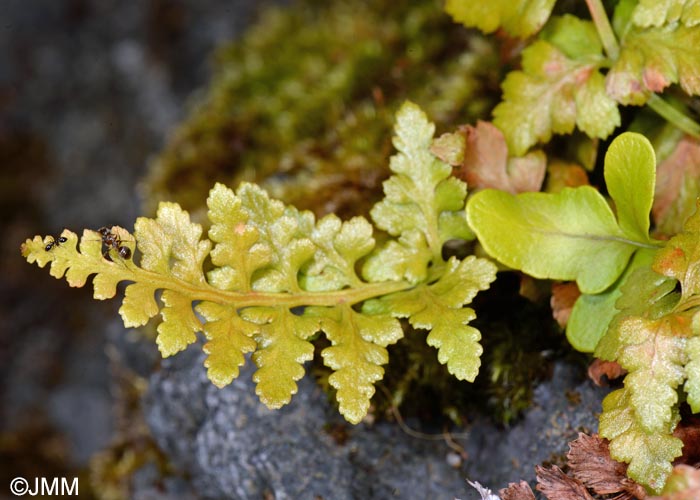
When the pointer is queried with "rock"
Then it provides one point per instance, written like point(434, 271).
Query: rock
point(233, 447)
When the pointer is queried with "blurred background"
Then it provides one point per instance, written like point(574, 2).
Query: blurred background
point(89, 90)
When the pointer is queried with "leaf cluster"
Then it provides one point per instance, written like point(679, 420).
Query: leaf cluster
point(277, 278)
point(577, 73)
point(639, 302)
point(635, 307)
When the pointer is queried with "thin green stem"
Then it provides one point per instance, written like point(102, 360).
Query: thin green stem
point(328, 298)
point(605, 31)
point(674, 116)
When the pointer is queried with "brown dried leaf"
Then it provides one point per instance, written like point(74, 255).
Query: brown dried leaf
point(517, 491)
point(556, 485)
point(590, 462)
point(677, 186)
point(487, 165)
point(609, 369)
point(564, 297)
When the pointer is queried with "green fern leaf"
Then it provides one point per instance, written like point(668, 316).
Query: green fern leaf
point(356, 355)
point(421, 206)
point(649, 455)
point(520, 18)
point(439, 308)
point(559, 87)
point(278, 278)
point(652, 59)
point(659, 12)
point(654, 337)
point(229, 338)
point(283, 346)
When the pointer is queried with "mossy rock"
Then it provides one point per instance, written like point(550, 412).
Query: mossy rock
point(304, 103)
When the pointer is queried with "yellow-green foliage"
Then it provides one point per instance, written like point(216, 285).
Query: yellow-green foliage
point(302, 105)
point(278, 277)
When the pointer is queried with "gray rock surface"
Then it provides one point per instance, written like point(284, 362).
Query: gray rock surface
point(234, 447)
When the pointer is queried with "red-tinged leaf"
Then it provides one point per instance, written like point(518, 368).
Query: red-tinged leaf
point(552, 94)
point(486, 163)
point(556, 485)
point(677, 186)
point(680, 258)
point(590, 462)
point(450, 148)
point(683, 484)
point(652, 59)
point(517, 491)
point(609, 369)
point(564, 297)
point(561, 175)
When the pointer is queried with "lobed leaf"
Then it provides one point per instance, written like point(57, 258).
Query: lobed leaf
point(659, 12)
point(356, 354)
point(229, 338)
point(283, 346)
point(652, 59)
point(680, 258)
point(643, 294)
point(654, 356)
point(649, 455)
point(339, 245)
point(439, 308)
point(418, 197)
point(554, 92)
point(277, 277)
point(237, 252)
point(574, 231)
point(520, 18)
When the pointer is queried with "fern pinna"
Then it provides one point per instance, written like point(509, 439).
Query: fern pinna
point(279, 277)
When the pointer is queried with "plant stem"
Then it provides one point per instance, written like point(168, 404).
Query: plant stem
point(605, 31)
point(674, 116)
point(238, 299)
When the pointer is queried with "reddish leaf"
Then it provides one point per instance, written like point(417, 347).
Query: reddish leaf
point(600, 368)
point(677, 186)
point(517, 491)
point(450, 148)
point(564, 297)
point(561, 175)
point(487, 165)
point(556, 485)
point(590, 463)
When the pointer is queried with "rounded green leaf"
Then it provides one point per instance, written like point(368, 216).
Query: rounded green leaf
point(592, 314)
point(570, 235)
point(630, 175)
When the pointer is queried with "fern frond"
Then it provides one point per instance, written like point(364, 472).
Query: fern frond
point(278, 277)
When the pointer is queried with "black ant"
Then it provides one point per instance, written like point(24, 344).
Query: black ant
point(112, 240)
point(55, 242)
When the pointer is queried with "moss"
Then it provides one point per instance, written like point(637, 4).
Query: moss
point(303, 104)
